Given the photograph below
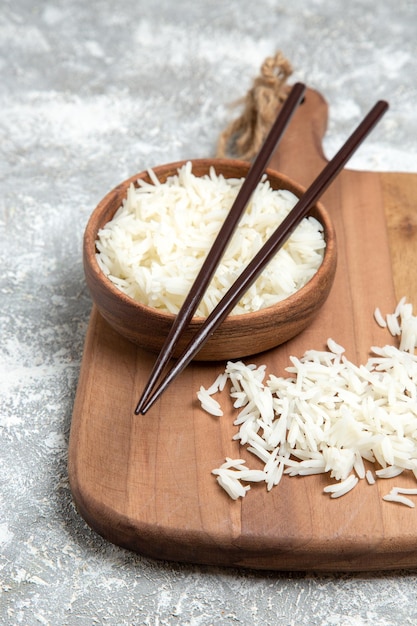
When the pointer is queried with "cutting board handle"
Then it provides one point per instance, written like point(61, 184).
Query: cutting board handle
point(300, 153)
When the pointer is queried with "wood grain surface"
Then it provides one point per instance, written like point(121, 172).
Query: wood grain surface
point(145, 483)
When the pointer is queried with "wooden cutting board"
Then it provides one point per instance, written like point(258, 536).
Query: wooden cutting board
point(145, 482)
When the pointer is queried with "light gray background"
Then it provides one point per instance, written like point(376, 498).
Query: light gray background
point(92, 91)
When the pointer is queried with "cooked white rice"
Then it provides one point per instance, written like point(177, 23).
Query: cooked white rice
point(401, 323)
point(155, 244)
point(370, 477)
point(395, 495)
point(379, 318)
point(328, 416)
point(340, 489)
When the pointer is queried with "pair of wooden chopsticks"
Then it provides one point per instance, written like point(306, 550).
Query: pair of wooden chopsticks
point(151, 393)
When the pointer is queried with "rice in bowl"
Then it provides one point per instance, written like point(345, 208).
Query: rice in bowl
point(262, 325)
point(154, 246)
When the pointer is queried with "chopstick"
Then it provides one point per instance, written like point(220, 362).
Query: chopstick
point(270, 248)
point(215, 254)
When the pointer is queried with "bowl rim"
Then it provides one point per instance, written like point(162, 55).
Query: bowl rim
point(91, 230)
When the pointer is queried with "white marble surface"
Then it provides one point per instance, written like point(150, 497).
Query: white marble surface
point(90, 93)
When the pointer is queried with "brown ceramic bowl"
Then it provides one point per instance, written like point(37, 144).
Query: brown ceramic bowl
point(238, 335)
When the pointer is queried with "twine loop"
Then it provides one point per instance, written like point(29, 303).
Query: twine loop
point(244, 136)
